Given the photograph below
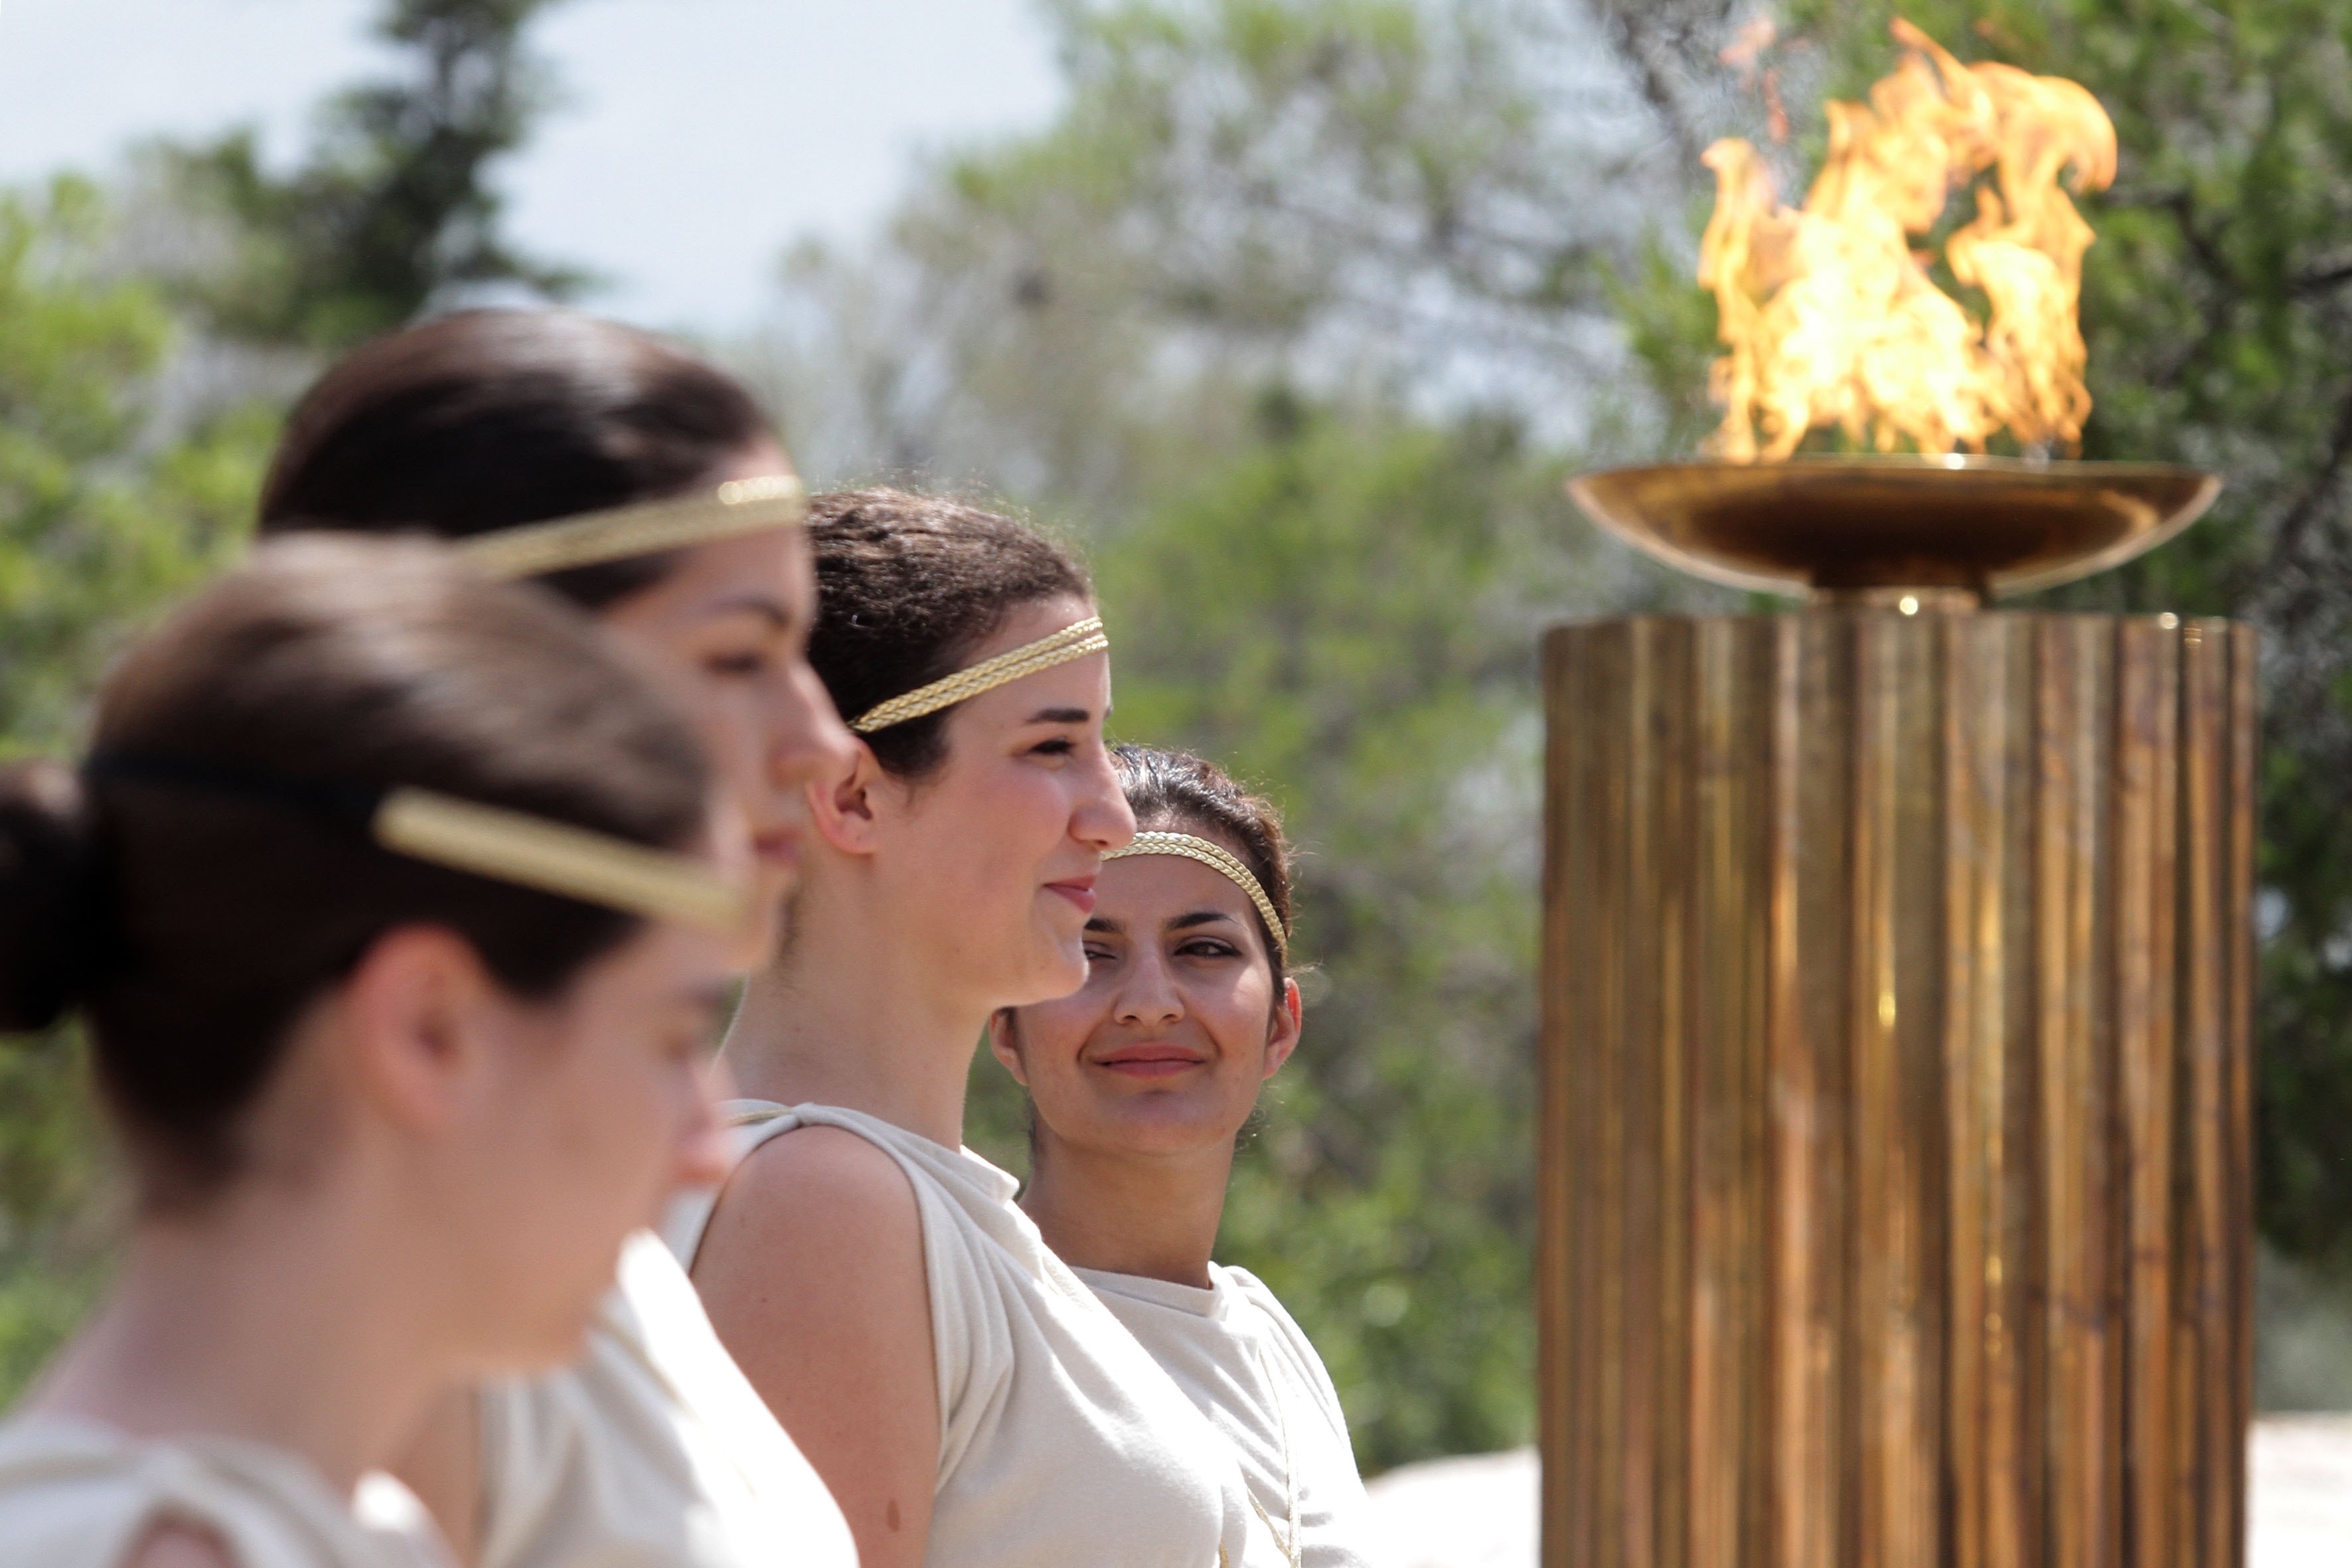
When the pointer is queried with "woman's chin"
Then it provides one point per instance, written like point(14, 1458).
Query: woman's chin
point(1164, 1125)
point(1060, 971)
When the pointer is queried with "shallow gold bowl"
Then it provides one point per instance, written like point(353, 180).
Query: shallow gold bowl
point(1869, 528)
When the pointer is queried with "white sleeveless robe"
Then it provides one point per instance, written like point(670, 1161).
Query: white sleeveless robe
point(1244, 1362)
point(79, 1494)
point(1062, 1445)
point(652, 1451)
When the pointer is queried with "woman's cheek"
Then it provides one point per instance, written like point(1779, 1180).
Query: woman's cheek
point(733, 741)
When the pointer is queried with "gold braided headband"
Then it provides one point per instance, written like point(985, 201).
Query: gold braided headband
point(738, 505)
point(467, 835)
point(1071, 642)
point(1217, 858)
point(557, 857)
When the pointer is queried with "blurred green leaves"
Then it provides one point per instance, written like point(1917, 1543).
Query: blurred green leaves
point(101, 509)
point(110, 501)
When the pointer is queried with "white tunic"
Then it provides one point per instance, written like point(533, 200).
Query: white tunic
point(1061, 1444)
point(653, 1451)
point(77, 1494)
point(1246, 1364)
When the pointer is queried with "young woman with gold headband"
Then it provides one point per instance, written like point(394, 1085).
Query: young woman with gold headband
point(967, 1399)
point(387, 895)
point(1141, 1082)
point(642, 483)
point(647, 487)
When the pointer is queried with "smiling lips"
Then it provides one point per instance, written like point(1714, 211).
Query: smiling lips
point(1078, 890)
point(1150, 1060)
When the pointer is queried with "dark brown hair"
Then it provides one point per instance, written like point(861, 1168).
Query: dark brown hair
point(908, 586)
point(196, 885)
point(486, 419)
point(1176, 791)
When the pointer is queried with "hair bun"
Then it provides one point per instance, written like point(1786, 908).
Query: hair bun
point(50, 895)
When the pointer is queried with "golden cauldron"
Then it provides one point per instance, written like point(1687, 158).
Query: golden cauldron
point(1869, 528)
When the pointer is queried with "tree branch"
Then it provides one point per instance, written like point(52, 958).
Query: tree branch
point(2320, 280)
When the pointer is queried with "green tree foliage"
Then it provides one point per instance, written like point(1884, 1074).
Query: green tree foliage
point(126, 474)
point(392, 209)
point(103, 514)
point(104, 509)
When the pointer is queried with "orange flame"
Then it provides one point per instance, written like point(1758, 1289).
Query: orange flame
point(1833, 319)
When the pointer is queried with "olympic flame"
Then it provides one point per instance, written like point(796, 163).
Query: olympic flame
point(1833, 319)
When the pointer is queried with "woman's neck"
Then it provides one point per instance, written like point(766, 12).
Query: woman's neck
point(279, 1321)
point(850, 1017)
point(1122, 1212)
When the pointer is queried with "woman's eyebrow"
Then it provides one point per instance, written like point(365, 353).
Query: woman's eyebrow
point(1061, 716)
point(754, 605)
point(1198, 918)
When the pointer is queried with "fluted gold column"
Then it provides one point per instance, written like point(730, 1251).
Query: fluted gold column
point(1895, 1202)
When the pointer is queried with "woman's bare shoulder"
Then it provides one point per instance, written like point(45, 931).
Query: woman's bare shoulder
point(817, 1189)
point(813, 1271)
point(831, 1164)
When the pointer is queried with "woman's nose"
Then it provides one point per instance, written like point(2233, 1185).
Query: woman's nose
point(811, 740)
point(1103, 819)
point(1147, 994)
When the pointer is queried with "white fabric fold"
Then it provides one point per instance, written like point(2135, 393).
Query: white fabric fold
point(79, 1494)
point(653, 1451)
point(1246, 1364)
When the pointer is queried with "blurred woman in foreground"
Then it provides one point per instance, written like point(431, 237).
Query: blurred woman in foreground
point(375, 892)
point(967, 1400)
point(645, 486)
point(1141, 1081)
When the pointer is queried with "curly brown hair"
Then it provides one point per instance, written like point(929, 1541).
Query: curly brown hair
point(908, 586)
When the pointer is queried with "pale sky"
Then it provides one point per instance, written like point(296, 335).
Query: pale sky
point(701, 137)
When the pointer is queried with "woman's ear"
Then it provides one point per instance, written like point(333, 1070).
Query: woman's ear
point(843, 801)
point(415, 1014)
point(1005, 1042)
point(1283, 1028)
